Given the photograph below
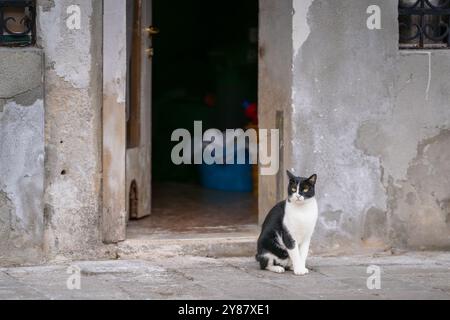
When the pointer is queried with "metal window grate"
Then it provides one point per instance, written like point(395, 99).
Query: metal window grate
point(17, 23)
point(424, 24)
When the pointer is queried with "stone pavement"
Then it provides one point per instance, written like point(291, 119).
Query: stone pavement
point(423, 275)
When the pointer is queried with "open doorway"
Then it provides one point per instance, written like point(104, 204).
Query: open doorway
point(204, 68)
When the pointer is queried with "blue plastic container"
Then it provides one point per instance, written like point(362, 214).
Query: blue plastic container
point(227, 177)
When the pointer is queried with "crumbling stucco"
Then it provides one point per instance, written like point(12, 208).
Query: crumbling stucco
point(370, 120)
point(21, 155)
point(419, 206)
point(72, 126)
point(363, 114)
point(68, 52)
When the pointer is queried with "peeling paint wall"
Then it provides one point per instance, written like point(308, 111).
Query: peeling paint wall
point(373, 122)
point(73, 100)
point(21, 156)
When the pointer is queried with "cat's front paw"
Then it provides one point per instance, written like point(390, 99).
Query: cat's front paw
point(276, 269)
point(301, 271)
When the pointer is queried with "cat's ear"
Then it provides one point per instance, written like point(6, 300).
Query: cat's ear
point(290, 175)
point(312, 180)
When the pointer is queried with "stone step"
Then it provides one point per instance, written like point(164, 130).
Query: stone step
point(207, 246)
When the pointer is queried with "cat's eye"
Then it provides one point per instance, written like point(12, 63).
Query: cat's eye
point(306, 189)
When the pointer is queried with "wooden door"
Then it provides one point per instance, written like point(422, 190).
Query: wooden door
point(138, 154)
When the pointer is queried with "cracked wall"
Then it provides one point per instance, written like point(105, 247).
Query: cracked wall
point(73, 65)
point(373, 122)
point(21, 156)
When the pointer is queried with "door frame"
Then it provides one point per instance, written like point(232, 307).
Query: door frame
point(124, 165)
point(114, 117)
point(114, 113)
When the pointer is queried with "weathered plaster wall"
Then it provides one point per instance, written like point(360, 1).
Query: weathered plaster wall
point(373, 122)
point(21, 156)
point(275, 82)
point(73, 100)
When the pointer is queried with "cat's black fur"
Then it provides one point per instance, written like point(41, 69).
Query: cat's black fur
point(273, 224)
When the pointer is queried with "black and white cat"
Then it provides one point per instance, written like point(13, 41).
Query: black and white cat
point(288, 228)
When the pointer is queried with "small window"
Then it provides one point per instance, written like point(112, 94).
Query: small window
point(424, 24)
point(17, 23)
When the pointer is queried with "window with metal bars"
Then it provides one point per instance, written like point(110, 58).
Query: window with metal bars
point(17, 23)
point(424, 24)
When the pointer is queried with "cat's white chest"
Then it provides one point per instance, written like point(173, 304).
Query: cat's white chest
point(300, 219)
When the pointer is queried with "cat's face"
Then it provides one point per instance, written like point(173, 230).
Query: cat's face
point(301, 189)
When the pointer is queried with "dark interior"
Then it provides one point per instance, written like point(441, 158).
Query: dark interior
point(205, 67)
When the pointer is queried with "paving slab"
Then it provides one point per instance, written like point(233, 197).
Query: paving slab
point(411, 275)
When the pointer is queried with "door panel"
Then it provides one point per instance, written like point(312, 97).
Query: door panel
point(138, 154)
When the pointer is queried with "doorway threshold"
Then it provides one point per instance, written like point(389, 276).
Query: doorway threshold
point(191, 220)
point(237, 241)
